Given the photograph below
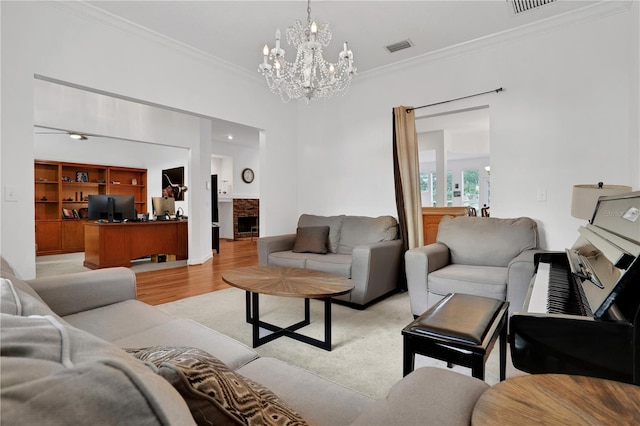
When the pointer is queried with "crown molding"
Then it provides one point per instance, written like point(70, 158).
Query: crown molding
point(589, 13)
point(92, 13)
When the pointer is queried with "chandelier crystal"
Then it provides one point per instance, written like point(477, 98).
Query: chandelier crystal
point(310, 76)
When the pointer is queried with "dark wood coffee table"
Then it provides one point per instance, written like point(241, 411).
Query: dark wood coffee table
point(287, 282)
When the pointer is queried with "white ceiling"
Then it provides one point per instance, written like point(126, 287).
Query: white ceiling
point(236, 31)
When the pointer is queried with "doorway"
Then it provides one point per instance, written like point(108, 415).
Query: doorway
point(454, 156)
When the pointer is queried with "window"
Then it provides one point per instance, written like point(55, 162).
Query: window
point(424, 182)
point(434, 189)
point(471, 188)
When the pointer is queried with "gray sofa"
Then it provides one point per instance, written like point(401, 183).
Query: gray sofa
point(63, 363)
point(483, 256)
point(365, 249)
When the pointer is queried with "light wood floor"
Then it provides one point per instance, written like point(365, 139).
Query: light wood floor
point(178, 283)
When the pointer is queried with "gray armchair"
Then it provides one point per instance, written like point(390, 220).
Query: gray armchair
point(482, 256)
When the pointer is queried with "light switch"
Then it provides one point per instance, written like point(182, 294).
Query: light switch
point(10, 193)
point(541, 195)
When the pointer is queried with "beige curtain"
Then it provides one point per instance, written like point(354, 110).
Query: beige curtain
point(406, 169)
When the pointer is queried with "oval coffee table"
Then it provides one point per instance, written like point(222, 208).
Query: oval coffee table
point(287, 282)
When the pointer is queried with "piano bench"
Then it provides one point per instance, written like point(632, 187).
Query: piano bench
point(461, 329)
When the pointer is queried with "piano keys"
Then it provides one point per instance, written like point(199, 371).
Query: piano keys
point(582, 311)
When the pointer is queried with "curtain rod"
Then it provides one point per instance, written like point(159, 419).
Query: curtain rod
point(499, 89)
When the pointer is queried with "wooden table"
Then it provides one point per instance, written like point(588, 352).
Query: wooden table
point(287, 282)
point(115, 244)
point(558, 399)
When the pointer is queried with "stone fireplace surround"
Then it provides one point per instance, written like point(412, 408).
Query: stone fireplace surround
point(246, 213)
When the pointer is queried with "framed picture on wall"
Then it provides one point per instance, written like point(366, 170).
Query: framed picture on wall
point(82, 176)
point(173, 183)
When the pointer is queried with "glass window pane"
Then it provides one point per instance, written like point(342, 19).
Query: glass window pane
point(471, 188)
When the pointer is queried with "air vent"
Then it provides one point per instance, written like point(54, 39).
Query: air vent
point(404, 44)
point(520, 6)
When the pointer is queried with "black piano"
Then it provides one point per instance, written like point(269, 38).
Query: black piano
point(582, 311)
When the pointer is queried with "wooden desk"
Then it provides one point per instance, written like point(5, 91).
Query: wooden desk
point(431, 217)
point(558, 399)
point(116, 244)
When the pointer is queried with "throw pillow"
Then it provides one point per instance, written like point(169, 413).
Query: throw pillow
point(214, 393)
point(311, 239)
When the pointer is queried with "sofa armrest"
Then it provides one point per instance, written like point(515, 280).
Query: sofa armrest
point(374, 269)
point(71, 293)
point(419, 262)
point(520, 271)
point(268, 245)
point(427, 396)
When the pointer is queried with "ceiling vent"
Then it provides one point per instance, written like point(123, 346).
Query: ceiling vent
point(401, 45)
point(520, 6)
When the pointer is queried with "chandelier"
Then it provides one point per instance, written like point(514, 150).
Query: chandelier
point(310, 76)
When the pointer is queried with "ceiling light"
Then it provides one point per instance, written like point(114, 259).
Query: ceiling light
point(310, 76)
point(230, 137)
point(77, 136)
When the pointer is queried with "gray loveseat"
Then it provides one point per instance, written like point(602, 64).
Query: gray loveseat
point(365, 249)
point(62, 364)
point(483, 256)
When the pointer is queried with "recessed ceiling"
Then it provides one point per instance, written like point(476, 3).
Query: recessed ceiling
point(236, 31)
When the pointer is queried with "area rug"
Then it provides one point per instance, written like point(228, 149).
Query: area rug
point(367, 345)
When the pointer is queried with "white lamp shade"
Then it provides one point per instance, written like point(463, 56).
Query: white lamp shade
point(585, 198)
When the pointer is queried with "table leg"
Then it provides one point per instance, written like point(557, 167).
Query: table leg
point(477, 366)
point(255, 308)
point(248, 306)
point(408, 356)
point(327, 324)
point(503, 348)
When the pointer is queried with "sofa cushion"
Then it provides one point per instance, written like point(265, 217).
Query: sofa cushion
point(9, 299)
point(215, 394)
point(311, 239)
point(54, 374)
point(427, 396)
point(487, 241)
point(358, 230)
point(186, 332)
point(113, 322)
point(489, 281)
point(318, 400)
point(339, 264)
point(17, 299)
point(288, 259)
point(333, 222)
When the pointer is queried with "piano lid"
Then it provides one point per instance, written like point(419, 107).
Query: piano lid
point(608, 248)
point(619, 214)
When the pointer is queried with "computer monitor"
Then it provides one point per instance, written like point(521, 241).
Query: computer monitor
point(112, 207)
point(163, 205)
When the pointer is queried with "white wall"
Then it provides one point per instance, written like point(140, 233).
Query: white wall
point(569, 114)
point(563, 119)
point(47, 38)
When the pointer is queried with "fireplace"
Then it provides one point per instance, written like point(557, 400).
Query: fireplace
point(246, 223)
point(246, 217)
